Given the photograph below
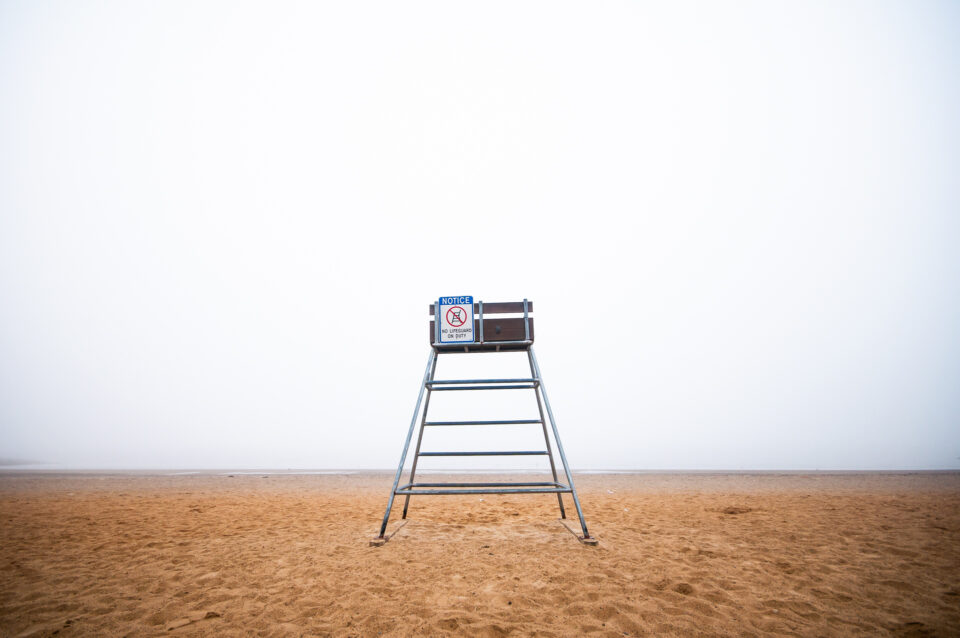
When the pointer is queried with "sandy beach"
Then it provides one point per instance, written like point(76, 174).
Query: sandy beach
point(270, 554)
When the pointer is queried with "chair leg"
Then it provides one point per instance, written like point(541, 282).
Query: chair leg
point(416, 452)
point(556, 437)
point(406, 446)
point(546, 437)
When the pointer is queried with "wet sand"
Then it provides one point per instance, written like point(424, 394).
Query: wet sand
point(679, 555)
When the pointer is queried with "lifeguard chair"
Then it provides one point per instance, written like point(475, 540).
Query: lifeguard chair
point(459, 325)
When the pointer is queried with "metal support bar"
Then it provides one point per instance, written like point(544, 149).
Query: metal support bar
point(518, 342)
point(481, 322)
point(526, 322)
point(546, 438)
point(556, 437)
point(534, 484)
point(513, 422)
point(532, 490)
point(515, 453)
point(486, 387)
point(466, 381)
point(423, 419)
point(406, 446)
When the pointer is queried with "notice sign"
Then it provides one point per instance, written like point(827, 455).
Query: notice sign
point(456, 320)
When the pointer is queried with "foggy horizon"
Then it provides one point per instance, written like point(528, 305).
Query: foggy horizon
point(221, 226)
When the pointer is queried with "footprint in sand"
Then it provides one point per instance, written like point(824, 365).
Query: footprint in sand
point(192, 618)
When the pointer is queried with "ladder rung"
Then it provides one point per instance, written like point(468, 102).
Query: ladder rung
point(517, 453)
point(492, 490)
point(467, 381)
point(529, 386)
point(509, 484)
point(508, 422)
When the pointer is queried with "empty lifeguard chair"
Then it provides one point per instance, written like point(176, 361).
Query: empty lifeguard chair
point(460, 325)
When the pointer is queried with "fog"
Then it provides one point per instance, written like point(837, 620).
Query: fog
point(222, 223)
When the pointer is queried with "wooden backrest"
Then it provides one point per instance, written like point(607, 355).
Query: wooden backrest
point(495, 329)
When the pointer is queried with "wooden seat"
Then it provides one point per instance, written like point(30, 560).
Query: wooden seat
point(492, 331)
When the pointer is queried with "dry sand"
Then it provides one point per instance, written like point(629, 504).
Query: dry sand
point(681, 554)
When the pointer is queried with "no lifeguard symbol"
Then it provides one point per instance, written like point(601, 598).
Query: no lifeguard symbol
point(456, 319)
point(456, 316)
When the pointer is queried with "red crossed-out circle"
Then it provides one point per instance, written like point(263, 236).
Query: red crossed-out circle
point(456, 319)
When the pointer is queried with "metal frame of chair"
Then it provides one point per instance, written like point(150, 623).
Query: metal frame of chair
point(496, 334)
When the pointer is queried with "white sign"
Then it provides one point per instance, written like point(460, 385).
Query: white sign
point(456, 320)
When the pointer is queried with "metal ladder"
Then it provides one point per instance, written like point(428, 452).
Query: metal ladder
point(429, 385)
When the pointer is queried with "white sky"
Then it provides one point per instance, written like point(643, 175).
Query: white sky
point(221, 225)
